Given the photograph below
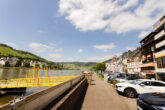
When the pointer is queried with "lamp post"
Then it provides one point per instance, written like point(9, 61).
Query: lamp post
point(152, 49)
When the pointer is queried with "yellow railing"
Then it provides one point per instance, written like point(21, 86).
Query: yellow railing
point(34, 82)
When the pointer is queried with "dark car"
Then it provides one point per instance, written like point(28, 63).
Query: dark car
point(116, 75)
point(132, 77)
point(151, 101)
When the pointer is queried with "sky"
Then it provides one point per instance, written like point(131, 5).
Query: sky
point(77, 30)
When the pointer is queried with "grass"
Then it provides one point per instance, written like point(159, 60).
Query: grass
point(101, 78)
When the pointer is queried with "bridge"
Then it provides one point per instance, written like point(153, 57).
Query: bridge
point(32, 81)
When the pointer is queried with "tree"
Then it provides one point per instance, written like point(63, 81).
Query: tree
point(26, 64)
point(49, 66)
point(100, 67)
point(18, 63)
point(37, 65)
point(54, 66)
point(7, 64)
point(43, 66)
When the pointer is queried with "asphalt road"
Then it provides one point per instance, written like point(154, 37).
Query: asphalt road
point(103, 96)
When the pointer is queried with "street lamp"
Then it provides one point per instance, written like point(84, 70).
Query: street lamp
point(152, 49)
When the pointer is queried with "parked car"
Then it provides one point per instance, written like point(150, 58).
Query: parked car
point(128, 78)
point(151, 101)
point(116, 75)
point(140, 86)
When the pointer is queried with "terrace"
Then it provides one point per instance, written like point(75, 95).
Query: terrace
point(159, 23)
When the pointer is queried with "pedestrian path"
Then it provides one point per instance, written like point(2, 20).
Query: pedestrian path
point(101, 96)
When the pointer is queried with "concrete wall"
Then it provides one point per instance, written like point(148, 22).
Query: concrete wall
point(74, 99)
point(41, 99)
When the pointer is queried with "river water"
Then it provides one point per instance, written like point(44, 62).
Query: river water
point(21, 73)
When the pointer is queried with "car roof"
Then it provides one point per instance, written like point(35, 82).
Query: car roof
point(150, 80)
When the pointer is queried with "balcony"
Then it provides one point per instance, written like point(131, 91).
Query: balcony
point(160, 44)
point(160, 54)
point(160, 34)
point(147, 61)
point(159, 24)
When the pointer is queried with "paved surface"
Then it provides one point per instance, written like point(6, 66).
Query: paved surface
point(102, 96)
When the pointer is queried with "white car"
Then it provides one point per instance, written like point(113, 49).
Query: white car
point(140, 86)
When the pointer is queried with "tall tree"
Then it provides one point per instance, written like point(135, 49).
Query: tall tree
point(100, 67)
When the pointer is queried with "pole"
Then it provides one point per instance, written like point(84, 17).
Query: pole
point(156, 75)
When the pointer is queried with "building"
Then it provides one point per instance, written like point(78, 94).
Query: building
point(159, 38)
point(125, 57)
point(134, 62)
point(111, 65)
point(2, 61)
point(12, 61)
point(147, 50)
point(118, 64)
point(108, 65)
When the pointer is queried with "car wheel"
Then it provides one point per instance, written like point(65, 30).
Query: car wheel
point(130, 93)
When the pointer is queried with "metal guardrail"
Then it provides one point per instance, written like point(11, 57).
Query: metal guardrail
point(34, 82)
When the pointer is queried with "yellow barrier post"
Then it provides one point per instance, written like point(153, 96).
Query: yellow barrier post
point(26, 77)
point(34, 70)
point(49, 75)
point(38, 77)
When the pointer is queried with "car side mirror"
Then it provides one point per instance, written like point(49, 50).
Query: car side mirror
point(142, 85)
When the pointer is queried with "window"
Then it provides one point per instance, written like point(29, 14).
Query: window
point(157, 84)
point(163, 62)
point(146, 83)
point(159, 63)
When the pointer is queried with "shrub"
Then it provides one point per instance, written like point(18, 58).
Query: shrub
point(7, 64)
point(26, 64)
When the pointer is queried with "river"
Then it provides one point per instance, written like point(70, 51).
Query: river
point(21, 73)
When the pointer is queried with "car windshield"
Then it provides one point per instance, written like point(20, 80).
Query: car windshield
point(134, 81)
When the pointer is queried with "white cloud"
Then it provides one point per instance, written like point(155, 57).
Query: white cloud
point(59, 50)
point(112, 15)
point(38, 47)
point(63, 58)
point(105, 47)
point(55, 56)
point(42, 31)
point(130, 48)
point(11, 44)
point(80, 50)
point(143, 34)
point(58, 58)
point(98, 58)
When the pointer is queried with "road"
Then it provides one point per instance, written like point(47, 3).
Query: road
point(102, 96)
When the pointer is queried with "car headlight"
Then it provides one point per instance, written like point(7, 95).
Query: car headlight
point(159, 107)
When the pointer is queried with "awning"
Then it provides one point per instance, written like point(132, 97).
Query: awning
point(147, 65)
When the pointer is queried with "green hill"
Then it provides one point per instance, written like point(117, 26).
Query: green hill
point(7, 51)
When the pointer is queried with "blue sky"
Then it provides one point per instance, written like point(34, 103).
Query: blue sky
point(77, 30)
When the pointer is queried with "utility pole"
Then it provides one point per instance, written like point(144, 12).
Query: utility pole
point(152, 49)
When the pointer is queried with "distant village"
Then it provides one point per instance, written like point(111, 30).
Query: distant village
point(16, 62)
point(147, 60)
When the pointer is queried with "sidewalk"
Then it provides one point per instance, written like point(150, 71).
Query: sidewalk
point(102, 96)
